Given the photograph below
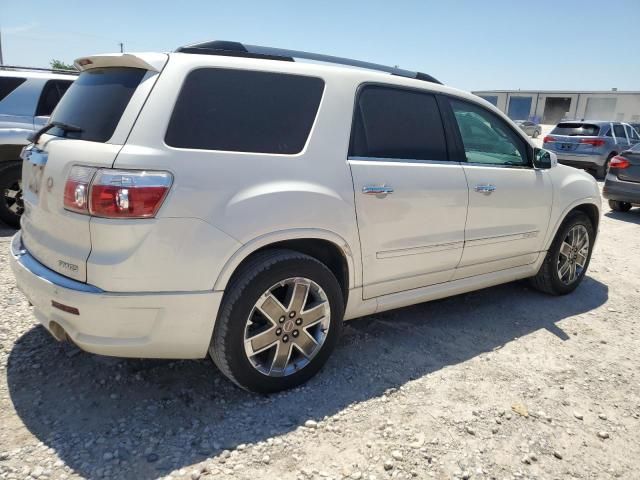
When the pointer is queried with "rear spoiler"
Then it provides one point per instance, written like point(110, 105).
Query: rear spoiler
point(147, 61)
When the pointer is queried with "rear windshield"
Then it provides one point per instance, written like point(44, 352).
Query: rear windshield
point(95, 102)
point(576, 129)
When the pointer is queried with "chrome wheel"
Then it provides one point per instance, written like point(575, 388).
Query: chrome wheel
point(13, 198)
point(287, 327)
point(574, 252)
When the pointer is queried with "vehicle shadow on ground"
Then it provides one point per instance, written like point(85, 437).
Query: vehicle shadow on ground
point(632, 216)
point(142, 419)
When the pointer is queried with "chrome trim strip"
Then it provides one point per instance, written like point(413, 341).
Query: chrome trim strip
point(27, 261)
point(404, 160)
point(401, 252)
point(501, 238)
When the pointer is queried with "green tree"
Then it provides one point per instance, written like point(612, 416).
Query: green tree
point(60, 65)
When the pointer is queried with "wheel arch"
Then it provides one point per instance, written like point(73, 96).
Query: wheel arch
point(327, 247)
point(587, 206)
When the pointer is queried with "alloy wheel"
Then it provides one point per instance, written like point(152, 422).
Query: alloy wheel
point(574, 252)
point(287, 327)
point(13, 198)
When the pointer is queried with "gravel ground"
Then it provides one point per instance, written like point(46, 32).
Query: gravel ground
point(500, 383)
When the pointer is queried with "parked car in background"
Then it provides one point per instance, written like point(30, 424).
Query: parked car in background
point(226, 199)
point(590, 145)
point(530, 128)
point(622, 185)
point(27, 98)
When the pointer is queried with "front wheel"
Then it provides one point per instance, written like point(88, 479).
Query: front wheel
point(566, 262)
point(279, 321)
point(11, 205)
point(619, 206)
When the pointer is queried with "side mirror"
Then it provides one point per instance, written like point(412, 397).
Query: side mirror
point(543, 159)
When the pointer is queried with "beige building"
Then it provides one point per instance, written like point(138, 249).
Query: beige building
point(550, 106)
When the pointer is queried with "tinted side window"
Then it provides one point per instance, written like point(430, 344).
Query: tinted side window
point(244, 111)
point(618, 130)
point(9, 84)
point(395, 123)
point(487, 138)
point(51, 94)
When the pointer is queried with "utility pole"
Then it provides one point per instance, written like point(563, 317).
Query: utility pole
point(1, 61)
point(121, 47)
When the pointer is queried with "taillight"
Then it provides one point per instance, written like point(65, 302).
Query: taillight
point(548, 139)
point(596, 142)
point(619, 162)
point(76, 190)
point(116, 193)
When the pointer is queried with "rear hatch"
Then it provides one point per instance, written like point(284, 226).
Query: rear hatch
point(100, 107)
point(574, 138)
point(630, 173)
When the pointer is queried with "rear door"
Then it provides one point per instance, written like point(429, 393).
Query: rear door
point(622, 142)
point(509, 201)
point(411, 200)
point(102, 104)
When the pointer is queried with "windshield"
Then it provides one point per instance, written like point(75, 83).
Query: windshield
point(95, 102)
point(576, 129)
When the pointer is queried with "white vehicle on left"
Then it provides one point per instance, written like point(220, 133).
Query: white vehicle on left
point(28, 96)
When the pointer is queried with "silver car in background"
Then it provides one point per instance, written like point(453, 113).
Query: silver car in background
point(590, 145)
point(532, 129)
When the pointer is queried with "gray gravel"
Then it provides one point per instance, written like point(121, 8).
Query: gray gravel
point(500, 383)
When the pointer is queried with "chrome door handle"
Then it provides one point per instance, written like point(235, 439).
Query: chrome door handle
point(486, 189)
point(377, 190)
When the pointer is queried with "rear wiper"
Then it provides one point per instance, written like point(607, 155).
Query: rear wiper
point(67, 127)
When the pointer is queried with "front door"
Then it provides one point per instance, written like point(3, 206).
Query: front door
point(509, 200)
point(411, 201)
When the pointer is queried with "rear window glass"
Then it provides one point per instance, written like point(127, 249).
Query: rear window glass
point(244, 111)
point(95, 102)
point(399, 124)
point(576, 129)
point(9, 84)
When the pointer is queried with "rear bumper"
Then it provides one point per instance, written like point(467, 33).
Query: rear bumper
point(621, 191)
point(581, 161)
point(152, 325)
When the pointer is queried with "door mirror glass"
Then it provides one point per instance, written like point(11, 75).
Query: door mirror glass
point(544, 158)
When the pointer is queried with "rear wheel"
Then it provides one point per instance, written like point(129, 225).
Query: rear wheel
point(536, 133)
point(566, 262)
point(11, 204)
point(601, 173)
point(279, 321)
point(619, 206)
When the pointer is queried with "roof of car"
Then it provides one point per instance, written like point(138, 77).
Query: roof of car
point(27, 72)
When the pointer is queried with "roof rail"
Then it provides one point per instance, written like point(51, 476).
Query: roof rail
point(38, 69)
point(237, 49)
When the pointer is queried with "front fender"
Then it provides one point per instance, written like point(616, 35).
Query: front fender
point(571, 188)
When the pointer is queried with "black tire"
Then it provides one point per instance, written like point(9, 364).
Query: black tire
point(547, 279)
point(536, 133)
point(601, 172)
point(11, 206)
point(619, 206)
point(253, 279)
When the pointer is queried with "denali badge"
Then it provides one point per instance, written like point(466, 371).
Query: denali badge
point(68, 266)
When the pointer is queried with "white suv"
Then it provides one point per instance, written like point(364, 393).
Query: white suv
point(226, 199)
point(27, 98)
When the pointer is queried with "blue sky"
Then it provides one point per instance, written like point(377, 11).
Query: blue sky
point(534, 44)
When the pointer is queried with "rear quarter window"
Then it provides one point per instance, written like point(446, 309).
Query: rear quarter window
point(576, 129)
point(8, 85)
point(244, 111)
